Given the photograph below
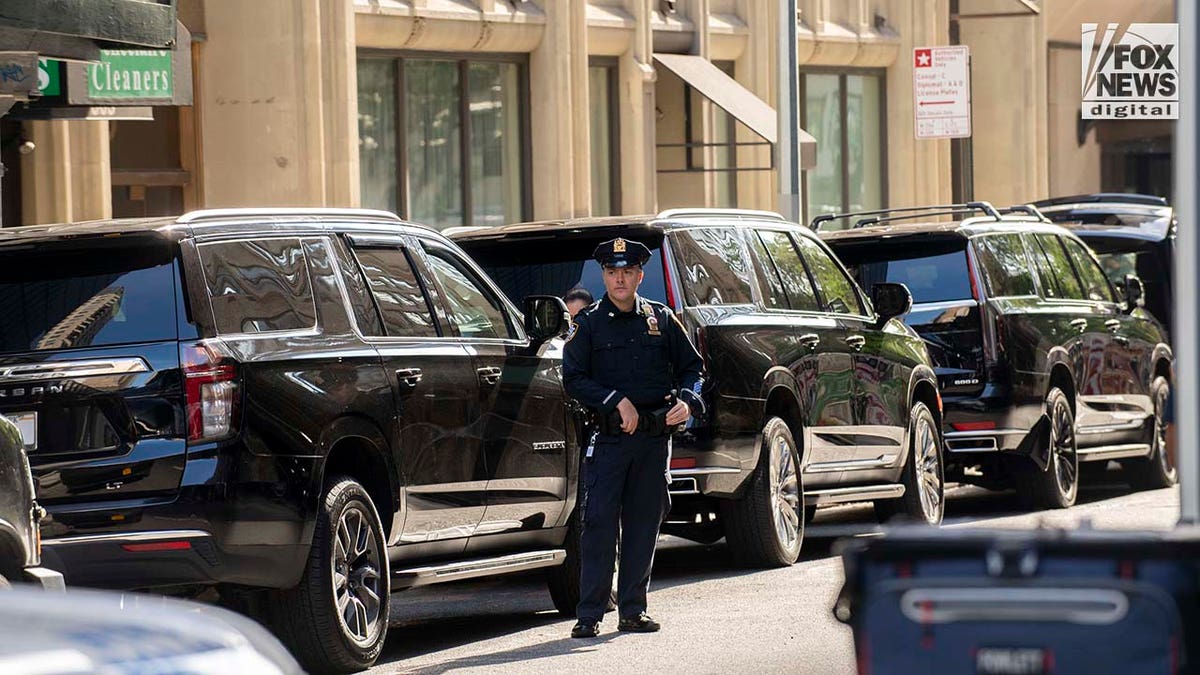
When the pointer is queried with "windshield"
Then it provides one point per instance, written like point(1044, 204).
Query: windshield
point(65, 299)
point(555, 265)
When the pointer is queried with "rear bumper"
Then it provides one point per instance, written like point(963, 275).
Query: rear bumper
point(153, 559)
point(992, 440)
point(713, 466)
point(237, 518)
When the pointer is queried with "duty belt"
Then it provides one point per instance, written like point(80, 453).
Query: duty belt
point(650, 422)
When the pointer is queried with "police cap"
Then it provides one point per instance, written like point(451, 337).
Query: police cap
point(621, 253)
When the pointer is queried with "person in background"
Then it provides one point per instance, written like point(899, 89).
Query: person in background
point(577, 298)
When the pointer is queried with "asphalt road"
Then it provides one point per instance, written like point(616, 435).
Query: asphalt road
point(716, 618)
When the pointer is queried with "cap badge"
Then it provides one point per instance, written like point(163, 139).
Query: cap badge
point(619, 246)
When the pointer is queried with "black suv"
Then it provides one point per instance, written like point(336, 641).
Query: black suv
point(1130, 234)
point(815, 396)
point(20, 545)
point(327, 404)
point(1041, 363)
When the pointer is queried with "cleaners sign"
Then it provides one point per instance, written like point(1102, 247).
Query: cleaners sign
point(1131, 73)
point(131, 74)
point(942, 92)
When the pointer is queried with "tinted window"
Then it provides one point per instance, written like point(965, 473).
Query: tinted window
point(933, 271)
point(714, 266)
point(396, 291)
point(1056, 270)
point(773, 293)
point(1095, 284)
point(796, 283)
point(258, 286)
point(356, 289)
point(1005, 267)
point(1119, 265)
point(474, 312)
point(553, 265)
point(837, 291)
point(86, 298)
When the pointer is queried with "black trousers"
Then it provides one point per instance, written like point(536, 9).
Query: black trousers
point(625, 489)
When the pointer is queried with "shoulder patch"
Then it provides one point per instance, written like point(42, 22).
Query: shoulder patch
point(572, 330)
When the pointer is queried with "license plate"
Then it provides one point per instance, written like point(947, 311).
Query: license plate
point(1010, 661)
point(27, 424)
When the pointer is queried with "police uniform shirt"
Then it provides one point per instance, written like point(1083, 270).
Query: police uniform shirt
point(642, 354)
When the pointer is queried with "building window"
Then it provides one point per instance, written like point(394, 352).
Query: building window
point(845, 112)
point(724, 135)
point(602, 104)
point(461, 158)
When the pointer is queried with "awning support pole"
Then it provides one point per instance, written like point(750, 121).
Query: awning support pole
point(786, 152)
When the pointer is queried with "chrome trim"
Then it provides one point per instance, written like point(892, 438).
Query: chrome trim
point(1114, 452)
point(234, 214)
point(479, 567)
point(852, 494)
point(1087, 606)
point(984, 433)
point(55, 370)
point(670, 214)
point(972, 444)
point(122, 537)
point(703, 471)
point(1112, 428)
point(687, 486)
point(880, 462)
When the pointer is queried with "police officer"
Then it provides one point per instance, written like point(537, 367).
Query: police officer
point(625, 355)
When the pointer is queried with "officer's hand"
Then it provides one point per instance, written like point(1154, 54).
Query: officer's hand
point(678, 414)
point(629, 416)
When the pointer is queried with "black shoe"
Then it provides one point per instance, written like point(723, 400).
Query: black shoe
point(642, 623)
point(586, 629)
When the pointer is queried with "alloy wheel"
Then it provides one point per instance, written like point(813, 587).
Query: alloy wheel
point(785, 493)
point(357, 585)
point(1160, 432)
point(928, 470)
point(1062, 450)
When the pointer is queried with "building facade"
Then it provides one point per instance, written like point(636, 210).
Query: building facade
point(483, 112)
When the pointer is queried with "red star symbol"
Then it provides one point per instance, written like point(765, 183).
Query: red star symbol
point(924, 58)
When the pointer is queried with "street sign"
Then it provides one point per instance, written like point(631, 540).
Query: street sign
point(942, 92)
point(49, 83)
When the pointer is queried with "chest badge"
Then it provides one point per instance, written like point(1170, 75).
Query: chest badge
point(652, 324)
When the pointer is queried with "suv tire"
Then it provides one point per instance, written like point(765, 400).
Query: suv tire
point(347, 568)
point(924, 499)
point(765, 528)
point(1057, 486)
point(1156, 471)
point(563, 580)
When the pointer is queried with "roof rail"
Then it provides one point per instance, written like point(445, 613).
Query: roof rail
point(1115, 197)
point(706, 213)
point(866, 218)
point(231, 214)
point(1027, 209)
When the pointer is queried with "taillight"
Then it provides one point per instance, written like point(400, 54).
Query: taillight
point(973, 426)
point(971, 275)
point(211, 386)
point(683, 462)
point(668, 280)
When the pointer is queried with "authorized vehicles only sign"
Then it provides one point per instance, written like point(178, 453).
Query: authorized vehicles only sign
point(942, 92)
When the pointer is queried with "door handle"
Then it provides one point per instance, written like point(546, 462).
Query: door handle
point(408, 378)
point(1080, 324)
point(1113, 325)
point(488, 375)
point(856, 342)
point(810, 340)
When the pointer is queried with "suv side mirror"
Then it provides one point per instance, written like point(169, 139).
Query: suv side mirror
point(546, 317)
point(890, 301)
point(1135, 293)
